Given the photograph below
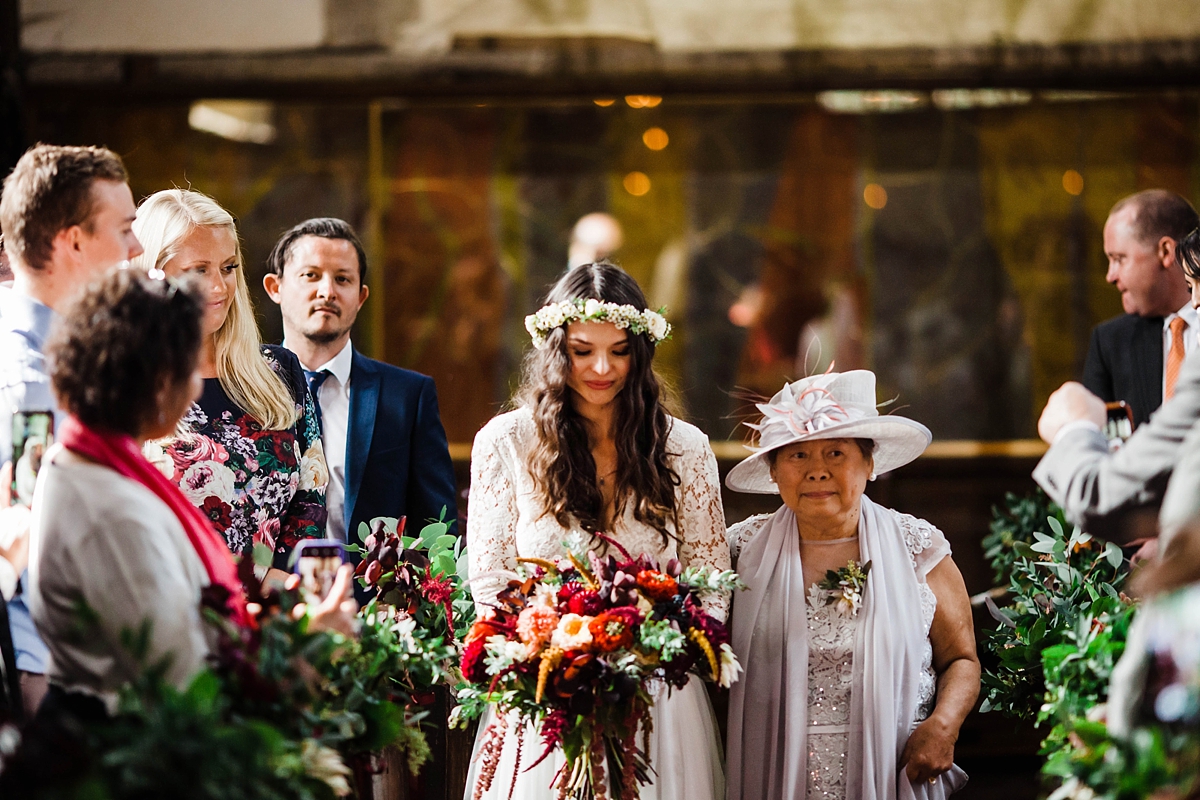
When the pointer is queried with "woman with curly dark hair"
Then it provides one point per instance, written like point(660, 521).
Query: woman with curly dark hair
point(591, 450)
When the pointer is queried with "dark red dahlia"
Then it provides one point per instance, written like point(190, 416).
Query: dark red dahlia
point(586, 603)
point(473, 668)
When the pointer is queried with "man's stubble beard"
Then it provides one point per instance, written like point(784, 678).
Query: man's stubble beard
point(326, 337)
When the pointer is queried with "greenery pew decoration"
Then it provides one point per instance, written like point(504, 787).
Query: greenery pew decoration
point(1060, 632)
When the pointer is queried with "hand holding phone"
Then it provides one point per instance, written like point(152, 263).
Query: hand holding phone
point(32, 435)
point(317, 563)
point(1119, 423)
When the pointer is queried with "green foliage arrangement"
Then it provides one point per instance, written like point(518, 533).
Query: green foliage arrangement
point(425, 576)
point(1056, 583)
point(1017, 521)
point(1059, 637)
point(281, 712)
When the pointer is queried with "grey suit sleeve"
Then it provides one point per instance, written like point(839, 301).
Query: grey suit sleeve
point(1081, 475)
point(1181, 503)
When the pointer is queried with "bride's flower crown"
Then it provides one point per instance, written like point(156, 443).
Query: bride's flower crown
point(650, 323)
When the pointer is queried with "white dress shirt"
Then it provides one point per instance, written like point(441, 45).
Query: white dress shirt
point(1190, 334)
point(335, 423)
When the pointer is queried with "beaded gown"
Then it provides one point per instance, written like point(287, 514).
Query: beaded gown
point(831, 638)
point(506, 521)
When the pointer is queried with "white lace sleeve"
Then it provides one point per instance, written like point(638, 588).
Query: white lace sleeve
point(740, 533)
point(926, 544)
point(492, 517)
point(701, 515)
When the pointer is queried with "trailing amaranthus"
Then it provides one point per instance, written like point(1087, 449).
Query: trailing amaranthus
point(697, 636)
point(550, 661)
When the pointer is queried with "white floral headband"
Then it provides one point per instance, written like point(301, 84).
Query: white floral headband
point(650, 323)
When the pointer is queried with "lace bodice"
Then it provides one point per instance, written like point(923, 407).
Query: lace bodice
point(507, 520)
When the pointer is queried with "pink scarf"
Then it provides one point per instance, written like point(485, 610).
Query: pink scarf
point(121, 454)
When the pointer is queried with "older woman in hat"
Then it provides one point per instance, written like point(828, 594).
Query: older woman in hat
point(855, 632)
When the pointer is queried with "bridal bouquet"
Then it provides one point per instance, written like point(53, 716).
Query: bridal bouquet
point(574, 647)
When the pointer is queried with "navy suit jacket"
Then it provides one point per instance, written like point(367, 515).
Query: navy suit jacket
point(397, 461)
point(1125, 362)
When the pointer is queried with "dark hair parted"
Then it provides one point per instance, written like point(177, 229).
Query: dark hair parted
point(1158, 213)
point(119, 344)
point(1188, 253)
point(865, 446)
point(324, 227)
point(561, 462)
point(48, 191)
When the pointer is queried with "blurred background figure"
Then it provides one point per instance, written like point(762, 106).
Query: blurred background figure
point(595, 237)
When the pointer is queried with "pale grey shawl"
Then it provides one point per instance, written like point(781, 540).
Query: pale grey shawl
point(768, 707)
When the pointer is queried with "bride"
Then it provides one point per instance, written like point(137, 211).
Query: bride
point(591, 448)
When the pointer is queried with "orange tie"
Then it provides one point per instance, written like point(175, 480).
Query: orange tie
point(1174, 356)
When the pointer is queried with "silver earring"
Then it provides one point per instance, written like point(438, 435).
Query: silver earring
point(872, 477)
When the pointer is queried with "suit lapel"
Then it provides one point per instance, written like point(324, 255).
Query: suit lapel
point(364, 398)
point(1147, 366)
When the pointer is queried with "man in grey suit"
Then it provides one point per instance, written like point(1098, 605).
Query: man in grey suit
point(1093, 485)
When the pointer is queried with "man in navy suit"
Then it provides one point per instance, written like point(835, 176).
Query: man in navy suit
point(382, 435)
point(1130, 357)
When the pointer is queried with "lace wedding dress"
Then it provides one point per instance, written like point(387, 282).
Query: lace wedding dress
point(506, 520)
point(831, 660)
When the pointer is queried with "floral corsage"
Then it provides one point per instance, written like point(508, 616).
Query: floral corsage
point(845, 587)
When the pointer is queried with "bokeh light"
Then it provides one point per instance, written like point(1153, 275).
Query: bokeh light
point(1072, 182)
point(655, 138)
point(875, 196)
point(642, 100)
point(637, 183)
point(604, 102)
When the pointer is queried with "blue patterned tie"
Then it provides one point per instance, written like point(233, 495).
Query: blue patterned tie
point(315, 379)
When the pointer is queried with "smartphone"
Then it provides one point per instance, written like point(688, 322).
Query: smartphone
point(1119, 425)
point(32, 435)
point(317, 562)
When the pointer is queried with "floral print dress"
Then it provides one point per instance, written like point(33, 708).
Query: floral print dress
point(257, 486)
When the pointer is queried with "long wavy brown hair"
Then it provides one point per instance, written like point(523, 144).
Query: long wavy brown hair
point(561, 462)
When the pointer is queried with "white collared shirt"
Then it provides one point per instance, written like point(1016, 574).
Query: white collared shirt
point(1190, 335)
point(334, 399)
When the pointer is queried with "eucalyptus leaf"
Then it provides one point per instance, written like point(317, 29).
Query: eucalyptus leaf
point(1056, 526)
point(1114, 555)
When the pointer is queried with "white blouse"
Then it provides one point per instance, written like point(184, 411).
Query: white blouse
point(507, 518)
point(104, 542)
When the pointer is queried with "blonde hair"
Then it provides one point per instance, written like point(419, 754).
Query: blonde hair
point(163, 220)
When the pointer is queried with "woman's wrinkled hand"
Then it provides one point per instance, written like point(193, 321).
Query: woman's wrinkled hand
point(338, 611)
point(929, 751)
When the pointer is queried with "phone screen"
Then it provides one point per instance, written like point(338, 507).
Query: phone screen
point(317, 564)
point(1119, 425)
point(32, 435)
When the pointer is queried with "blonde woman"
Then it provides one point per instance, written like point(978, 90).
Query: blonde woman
point(248, 452)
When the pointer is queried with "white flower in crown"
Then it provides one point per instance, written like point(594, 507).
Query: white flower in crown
point(659, 327)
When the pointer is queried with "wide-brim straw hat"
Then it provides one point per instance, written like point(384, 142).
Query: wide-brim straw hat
point(836, 405)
